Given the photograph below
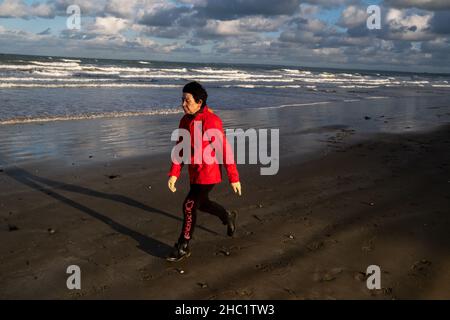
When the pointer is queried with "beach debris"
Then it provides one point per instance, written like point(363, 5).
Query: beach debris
point(225, 252)
point(180, 271)
point(360, 276)
point(368, 203)
point(331, 241)
point(149, 187)
point(257, 218)
point(290, 291)
point(12, 227)
point(1, 170)
point(113, 176)
point(367, 118)
point(328, 277)
point(51, 231)
point(202, 285)
point(420, 265)
point(290, 236)
point(315, 246)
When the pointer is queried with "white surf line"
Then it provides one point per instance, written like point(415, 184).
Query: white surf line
point(91, 116)
point(297, 105)
point(319, 103)
point(87, 85)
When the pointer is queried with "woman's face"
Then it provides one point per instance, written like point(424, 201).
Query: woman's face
point(189, 105)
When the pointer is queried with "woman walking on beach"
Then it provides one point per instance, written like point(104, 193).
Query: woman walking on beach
point(205, 175)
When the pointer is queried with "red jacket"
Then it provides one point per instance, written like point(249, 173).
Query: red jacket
point(204, 173)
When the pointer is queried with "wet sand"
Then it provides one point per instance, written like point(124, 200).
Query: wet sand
point(309, 232)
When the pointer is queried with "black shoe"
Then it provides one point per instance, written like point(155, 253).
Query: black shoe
point(231, 223)
point(180, 252)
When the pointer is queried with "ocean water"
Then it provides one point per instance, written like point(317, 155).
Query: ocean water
point(50, 88)
point(69, 108)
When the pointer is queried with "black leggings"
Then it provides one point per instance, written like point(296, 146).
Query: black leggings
point(198, 198)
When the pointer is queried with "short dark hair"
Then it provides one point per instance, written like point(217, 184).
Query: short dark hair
point(197, 91)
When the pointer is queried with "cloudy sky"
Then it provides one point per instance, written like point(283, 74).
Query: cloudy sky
point(414, 34)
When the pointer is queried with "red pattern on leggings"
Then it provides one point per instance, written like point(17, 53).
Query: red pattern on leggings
point(188, 213)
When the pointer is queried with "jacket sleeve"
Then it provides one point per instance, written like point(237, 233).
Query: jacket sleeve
point(231, 168)
point(175, 168)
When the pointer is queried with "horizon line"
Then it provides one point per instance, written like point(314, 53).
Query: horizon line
point(232, 63)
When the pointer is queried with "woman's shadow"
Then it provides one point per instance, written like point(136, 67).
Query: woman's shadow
point(151, 246)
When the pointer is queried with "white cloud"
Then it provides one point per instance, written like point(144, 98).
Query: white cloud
point(19, 9)
point(307, 10)
point(405, 26)
point(109, 25)
point(421, 4)
point(242, 27)
point(241, 31)
point(13, 8)
point(261, 24)
point(150, 7)
point(352, 16)
point(222, 28)
point(315, 25)
point(145, 42)
point(122, 9)
point(328, 51)
point(42, 10)
point(200, 3)
point(88, 7)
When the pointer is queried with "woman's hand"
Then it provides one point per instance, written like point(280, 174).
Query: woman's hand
point(171, 183)
point(236, 187)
